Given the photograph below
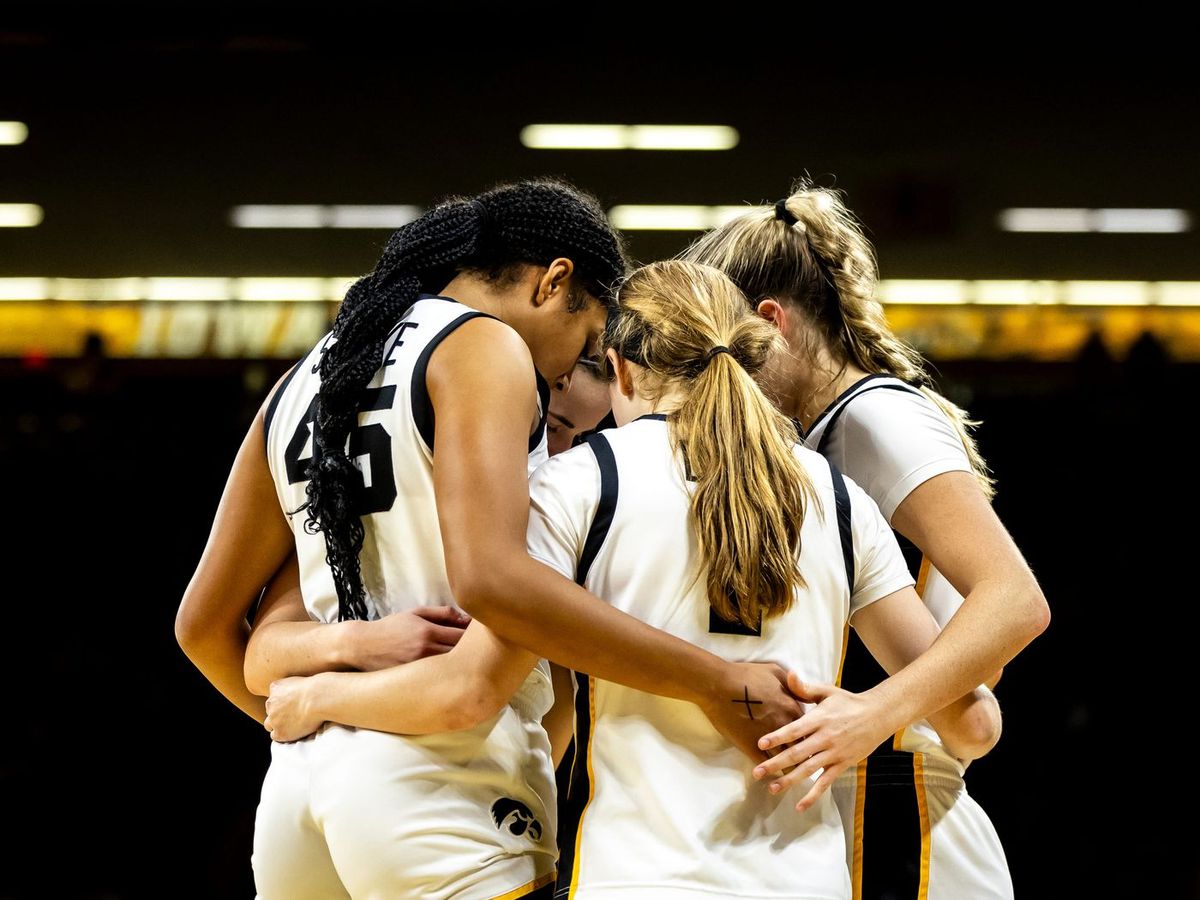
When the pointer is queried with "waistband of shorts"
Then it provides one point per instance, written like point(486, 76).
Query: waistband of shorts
point(898, 768)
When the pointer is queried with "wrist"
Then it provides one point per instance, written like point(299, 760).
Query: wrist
point(347, 637)
point(316, 692)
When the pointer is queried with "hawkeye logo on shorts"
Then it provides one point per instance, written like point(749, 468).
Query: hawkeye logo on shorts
point(516, 817)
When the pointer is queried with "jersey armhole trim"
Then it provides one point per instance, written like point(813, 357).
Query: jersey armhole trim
point(845, 523)
point(269, 415)
point(602, 520)
point(422, 408)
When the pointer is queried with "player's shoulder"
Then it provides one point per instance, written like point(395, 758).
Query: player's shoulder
point(885, 402)
point(573, 473)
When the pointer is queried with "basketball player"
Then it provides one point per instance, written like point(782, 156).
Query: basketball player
point(703, 516)
point(865, 402)
point(349, 458)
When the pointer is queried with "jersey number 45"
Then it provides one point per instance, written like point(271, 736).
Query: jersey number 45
point(371, 441)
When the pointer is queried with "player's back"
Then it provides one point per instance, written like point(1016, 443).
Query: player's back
point(457, 790)
point(670, 804)
point(402, 560)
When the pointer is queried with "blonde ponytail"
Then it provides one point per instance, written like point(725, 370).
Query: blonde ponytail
point(695, 335)
point(811, 251)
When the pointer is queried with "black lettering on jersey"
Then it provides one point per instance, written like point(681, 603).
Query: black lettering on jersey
point(372, 440)
point(321, 353)
point(717, 625)
point(401, 327)
point(516, 817)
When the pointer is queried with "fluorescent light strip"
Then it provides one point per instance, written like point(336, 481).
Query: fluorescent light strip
point(20, 215)
point(924, 292)
point(277, 289)
point(646, 217)
point(629, 137)
point(13, 133)
point(1141, 221)
point(1107, 221)
point(316, 216)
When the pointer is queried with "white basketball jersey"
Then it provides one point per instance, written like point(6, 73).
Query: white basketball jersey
point(890, 440)
point(660, 804)
point(402, 559)
point(461, 783)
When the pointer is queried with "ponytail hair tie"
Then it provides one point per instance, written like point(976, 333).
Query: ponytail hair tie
point(784, 214)
point(714, 352)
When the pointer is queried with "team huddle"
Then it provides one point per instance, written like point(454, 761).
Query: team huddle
point(588, 581)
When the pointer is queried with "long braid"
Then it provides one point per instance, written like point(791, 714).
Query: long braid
point(527, 222)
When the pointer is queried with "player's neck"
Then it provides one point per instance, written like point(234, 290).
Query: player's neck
point(472, 291)
point(819, 384)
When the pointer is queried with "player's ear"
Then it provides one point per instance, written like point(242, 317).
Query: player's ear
point(554, 281)
point(623, 373)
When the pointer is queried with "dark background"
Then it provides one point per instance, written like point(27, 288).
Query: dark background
point(120, 762)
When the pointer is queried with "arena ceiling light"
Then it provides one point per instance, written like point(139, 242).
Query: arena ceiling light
point(648, 217)
point(629, 137)
point(20, 215)
point(13, 133)
point(1107, 221)
point(322, 216)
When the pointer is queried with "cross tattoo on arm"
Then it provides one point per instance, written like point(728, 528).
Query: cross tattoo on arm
point(746, 700)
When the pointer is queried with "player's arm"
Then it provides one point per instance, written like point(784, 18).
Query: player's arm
point(954, 525)
point(897, 630)
point(456, 690)
point(285, 641)
point(248, 542)
point(480, 381)
point(559, 722)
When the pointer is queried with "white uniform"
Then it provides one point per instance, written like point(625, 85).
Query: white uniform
point(352, 812)
point(911, 828)
point(661, 806)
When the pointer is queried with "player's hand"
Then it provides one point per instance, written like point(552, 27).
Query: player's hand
point(751, 700)
point(290, 714)
point(841, 730)
point(405, 636)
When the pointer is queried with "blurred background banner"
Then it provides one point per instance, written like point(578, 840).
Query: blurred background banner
point(181, 212)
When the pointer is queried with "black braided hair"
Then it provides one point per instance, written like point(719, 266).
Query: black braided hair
point(531, 222)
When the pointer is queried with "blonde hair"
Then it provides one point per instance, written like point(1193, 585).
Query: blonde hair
point(751, 491)
point(824, 264)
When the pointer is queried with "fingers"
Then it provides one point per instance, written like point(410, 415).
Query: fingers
point(794, 731)
point(443, 615)
point(802, 772)
point(828, 777)
point(442, 634)
point(794, 755)
point(809, 691)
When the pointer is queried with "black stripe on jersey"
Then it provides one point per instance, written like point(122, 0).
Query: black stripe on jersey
point(602, 520)
point(579, 789)
point(824, 442)
point(841, 498)
point(422, 409)
point(270, 413)
point(891, 832)
point(609, 421)
point(543, 389)
point(838, 399)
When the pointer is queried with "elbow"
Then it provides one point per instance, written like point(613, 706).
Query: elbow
point(1038, 610)
point(477, 703)
point(189, 631)
point(480, 585)
point(979, 729)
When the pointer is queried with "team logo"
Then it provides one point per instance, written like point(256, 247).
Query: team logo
point(516, 817)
